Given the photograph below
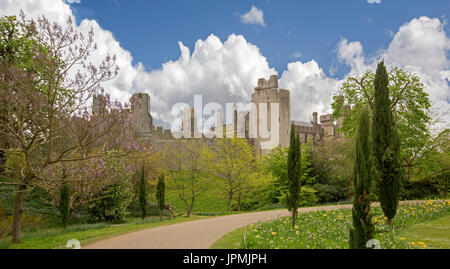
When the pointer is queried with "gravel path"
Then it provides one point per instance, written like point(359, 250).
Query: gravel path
point(198, 234)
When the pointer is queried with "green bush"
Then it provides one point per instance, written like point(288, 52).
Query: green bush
point(422, 189)
point(113, 207)
point(326, 193)
point(308, 196)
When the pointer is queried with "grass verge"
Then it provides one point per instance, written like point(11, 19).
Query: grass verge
point(87, 233)
point(433, 234)
point(329, 229)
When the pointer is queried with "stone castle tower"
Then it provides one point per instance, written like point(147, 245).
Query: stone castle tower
point(268, 95)
point(259, 128)
point(140, 110)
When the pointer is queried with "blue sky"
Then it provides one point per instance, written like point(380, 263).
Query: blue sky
point(174, 49)
point(150, 30)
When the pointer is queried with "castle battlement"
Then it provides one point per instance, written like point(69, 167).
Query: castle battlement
point(271, 83)
point(266, 95)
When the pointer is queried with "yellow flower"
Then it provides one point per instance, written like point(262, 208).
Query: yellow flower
point(295, 227)
point(402, 238)
point(385, 217)
point(297, 232)
point(274, 233)
point(324, 215)
point(424, 246)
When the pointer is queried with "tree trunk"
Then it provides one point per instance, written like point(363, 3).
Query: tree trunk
point(18, 212)
point(160, 214)
point(294, 218)
point(239, 203)
point(230, 197)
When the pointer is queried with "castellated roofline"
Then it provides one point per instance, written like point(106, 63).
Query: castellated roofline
point(271, 83)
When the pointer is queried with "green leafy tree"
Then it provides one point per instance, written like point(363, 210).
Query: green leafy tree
point(409, 103)
point(386, 145)
point(363, 228)
point(143, 193)
point(294, 173)
point(184, 164)
point(308, 176)
point(160, 195)
point(275, 164)
point(233, 160)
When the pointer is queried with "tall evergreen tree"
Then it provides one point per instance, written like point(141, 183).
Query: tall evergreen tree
point(64, 201)
point(294, 175)
point(363, 228)
point(143, 193)
point(160, 195)
point(386, 145)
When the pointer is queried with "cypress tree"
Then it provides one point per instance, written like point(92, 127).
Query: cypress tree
point(386, 146)
point(363, 228)
point(160, 195)
point(64, 202)
point(294, 175)
point(143, 194)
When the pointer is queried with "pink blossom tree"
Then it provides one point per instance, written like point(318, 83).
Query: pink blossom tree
point(46, 118)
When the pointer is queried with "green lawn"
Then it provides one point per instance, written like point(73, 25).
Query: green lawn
point(209, 199)
point(87, 233)
point(433, 234)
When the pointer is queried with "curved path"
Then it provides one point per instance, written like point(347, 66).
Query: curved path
point(198, 234)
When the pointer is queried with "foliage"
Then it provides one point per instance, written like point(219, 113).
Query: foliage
point(410, 105)
point(326, 229)
point(143, 193)
point(160, 194)
point(275, 164)
point(64, 204)
point(308, 196)
point(363, 229)
point(47, 80)
point(113, 201)
point(386, 145)
point(184, 164)
point(308, 176)
point(294, 174)
point(232, 159)
point(31, 222)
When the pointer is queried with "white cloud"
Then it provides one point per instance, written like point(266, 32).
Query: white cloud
point(420, 47)
point(311, 90)
point(253, 16)
point(351, 53)
point(227, 71)
point(221, 72)
point(374, 1)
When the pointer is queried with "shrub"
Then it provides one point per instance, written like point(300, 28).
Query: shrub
point(30, 222)
point(113, 207)
point(421, 189)
point(326, 193)
point(308, 196)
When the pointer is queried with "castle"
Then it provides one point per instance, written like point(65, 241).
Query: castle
point(266, 96)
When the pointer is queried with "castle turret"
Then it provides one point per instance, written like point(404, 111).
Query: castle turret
point(140, 109)
point(271, 132)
